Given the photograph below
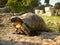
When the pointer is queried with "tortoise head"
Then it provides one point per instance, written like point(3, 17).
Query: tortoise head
point(16, 19)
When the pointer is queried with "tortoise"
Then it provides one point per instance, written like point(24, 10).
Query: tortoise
point(29, 24)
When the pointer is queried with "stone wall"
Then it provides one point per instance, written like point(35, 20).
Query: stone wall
point(49, 11)
point(39, 12)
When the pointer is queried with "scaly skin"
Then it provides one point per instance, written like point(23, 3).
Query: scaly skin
point(20, 27)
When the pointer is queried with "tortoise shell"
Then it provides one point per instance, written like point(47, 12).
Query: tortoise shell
point(31, 24)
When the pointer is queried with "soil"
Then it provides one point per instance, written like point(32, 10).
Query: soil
point(45, 38)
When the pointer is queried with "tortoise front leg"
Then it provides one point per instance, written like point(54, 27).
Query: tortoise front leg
point(25, 31)
point(18, 31)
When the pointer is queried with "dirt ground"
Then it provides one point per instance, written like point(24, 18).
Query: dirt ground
point(8, 38)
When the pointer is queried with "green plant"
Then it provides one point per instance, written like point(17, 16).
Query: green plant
point(22, 5)
point(53, 22)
